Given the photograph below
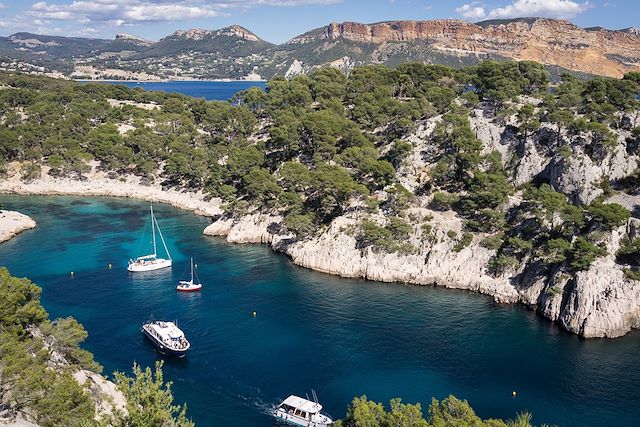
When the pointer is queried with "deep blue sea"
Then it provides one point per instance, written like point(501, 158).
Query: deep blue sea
point(211, 91)
point(340, 337)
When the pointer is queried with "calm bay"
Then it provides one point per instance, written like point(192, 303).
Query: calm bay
point(341, 337)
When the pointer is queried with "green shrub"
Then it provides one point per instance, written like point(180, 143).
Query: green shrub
point(556, 251)
point(492, 242)
point(553, 291)
point(502, 262)
point(565, 151)
point(427, 232)
point(632, 274)
point(451, 411)
point(30, 171)
point(608, 215)
point(444, 201)
point(583, 253)
point(389, 239)
point(518, 246)
point(629, 252)
point(150, 399)
point(464, 241)
point(301, 225)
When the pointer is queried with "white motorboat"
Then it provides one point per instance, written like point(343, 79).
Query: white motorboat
point(167, 337)
point(152, 261)
point(302, 412)
point(189, 285)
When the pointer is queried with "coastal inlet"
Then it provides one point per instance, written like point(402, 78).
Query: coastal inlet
point(341, 337)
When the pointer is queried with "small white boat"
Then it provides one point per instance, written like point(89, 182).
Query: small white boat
point(302, 412)
point(167, 337)
point(189, 285)
point(151, 262)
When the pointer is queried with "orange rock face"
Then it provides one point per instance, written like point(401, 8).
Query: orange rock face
point(550, 41)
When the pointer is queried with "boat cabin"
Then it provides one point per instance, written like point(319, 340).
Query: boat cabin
point(169, 334)
point(302, 412)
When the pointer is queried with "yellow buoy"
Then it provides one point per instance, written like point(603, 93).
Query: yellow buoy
point(513, 393)
point(254, 314)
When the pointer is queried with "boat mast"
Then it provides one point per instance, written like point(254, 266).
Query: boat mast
point(161, 238)
point(191, 269)
point(153, 230)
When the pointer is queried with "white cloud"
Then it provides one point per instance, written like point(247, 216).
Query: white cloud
point(526, 8)
point(471, 11)
point(131, 11)
point(547, 8)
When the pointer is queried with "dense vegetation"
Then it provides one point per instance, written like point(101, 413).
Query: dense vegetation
point(311, 149)
point(318, 146)
point(38, 358)
point(451, 411)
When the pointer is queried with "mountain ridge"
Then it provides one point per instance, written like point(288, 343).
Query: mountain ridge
point(236, 52)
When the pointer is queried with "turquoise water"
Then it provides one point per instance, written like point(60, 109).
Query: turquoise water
point(211, 91)
point(341, 337)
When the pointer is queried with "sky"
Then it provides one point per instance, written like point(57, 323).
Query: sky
point(279, 20)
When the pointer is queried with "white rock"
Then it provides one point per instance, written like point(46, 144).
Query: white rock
point(12, 223)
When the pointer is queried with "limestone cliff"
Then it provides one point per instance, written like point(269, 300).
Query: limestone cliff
point(549, 41)
point(599, 302)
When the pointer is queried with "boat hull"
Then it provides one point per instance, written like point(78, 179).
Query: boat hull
point(163, 349)
point(193, 288)
point(149, 266)
point(299, 421)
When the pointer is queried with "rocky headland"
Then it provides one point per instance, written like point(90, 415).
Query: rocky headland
point(13, 223)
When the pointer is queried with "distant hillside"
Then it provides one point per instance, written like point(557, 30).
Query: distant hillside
point(233, 41)
point(25, 45)
point(235, 52)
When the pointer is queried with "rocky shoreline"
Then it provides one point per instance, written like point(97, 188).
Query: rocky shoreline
point(587, 305)
point(599, 302)
point(13, 223)
point(98, 183)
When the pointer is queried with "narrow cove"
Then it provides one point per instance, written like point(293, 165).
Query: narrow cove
point(340, 337)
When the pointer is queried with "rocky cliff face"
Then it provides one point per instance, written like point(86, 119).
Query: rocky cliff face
point(599, 302)
point(549, 41)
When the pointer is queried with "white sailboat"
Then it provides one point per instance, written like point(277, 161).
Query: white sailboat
point(190, 285)
point(151, 261)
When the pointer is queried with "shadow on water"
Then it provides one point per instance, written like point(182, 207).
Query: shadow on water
point(342, 337)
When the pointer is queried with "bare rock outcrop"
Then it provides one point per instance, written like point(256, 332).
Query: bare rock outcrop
point(599, 302)
point(13, 223)
point(580, 176)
